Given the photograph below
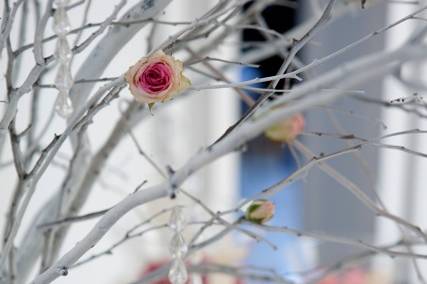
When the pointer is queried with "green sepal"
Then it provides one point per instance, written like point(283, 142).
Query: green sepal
point(150, 107)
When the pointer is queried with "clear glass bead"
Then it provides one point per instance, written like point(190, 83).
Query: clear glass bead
point(178, 272)
point(63, 51)
point(63, 104)
point(64, 80)
point(61, 23)
point(177, 220)
point(178, 247)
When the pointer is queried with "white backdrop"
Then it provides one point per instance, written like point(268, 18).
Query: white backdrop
point(401, 181)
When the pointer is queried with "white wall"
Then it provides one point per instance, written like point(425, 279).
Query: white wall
point(401, 181)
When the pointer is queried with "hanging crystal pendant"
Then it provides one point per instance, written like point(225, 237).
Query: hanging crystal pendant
point(178, 272)
point(63, 80)
point(177, 220)
point(63, 105)
point(61, 23)
point(178, 247)
point(63, 51)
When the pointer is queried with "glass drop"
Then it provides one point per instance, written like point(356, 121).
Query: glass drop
point(63, 104)
point(61, 22)
point(178, 247)
point(63, 80)
point(177, 220)
point(178, 272)
point(63, 51)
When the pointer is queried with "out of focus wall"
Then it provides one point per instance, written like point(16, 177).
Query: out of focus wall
point(401, 180)
point(328, 206)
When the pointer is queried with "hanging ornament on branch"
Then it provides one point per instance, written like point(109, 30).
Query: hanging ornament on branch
point(178, 247)
point(64, 80)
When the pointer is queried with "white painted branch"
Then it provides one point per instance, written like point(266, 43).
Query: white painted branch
point(38, 35)
point(7, 23)
point(103, 226)
point(31, 246)
point(44, 161)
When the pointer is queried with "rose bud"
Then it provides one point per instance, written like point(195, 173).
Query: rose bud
point(156, 78)
point(286, 130)
point(260, 211)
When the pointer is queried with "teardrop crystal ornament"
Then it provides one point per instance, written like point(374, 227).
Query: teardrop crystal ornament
point(63, 80)
point(63, 104)
point(61, 23)
point(178, 247)
point(63, 51)
point(178, 272)
point(177, 221)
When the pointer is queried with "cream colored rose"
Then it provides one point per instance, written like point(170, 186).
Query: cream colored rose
point(156, 78)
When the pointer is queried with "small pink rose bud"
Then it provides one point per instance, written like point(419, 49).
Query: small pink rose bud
point(156, 78)
point(286, 130)
point(260, 211)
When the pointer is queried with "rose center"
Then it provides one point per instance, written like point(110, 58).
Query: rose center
point(156, 77)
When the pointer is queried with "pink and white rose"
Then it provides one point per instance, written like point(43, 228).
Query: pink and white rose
point(156, 78)
point(286, 130)
point(260, 211)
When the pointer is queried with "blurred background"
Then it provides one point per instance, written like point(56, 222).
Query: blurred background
point(317, 203)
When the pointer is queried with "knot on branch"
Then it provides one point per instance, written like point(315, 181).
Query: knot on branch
point(63, 271)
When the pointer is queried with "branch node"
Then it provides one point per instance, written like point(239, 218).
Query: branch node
point(63, 271)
